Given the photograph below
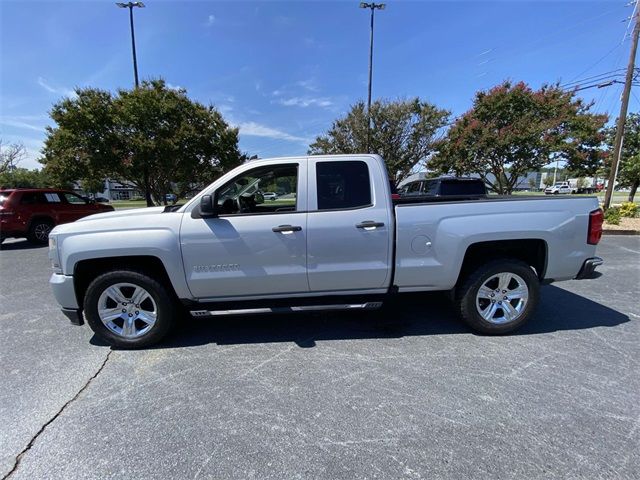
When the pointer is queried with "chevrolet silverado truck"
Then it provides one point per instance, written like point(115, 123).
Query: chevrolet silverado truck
point(333, 239)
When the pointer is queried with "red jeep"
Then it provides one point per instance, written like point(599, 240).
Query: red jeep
point(33, 212)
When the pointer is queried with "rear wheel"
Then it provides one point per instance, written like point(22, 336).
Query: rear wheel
point(498, 297)
point(129, 309)
point(39, 231)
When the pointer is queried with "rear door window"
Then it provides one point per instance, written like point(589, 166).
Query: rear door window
point(342, 185)
point(32, 198)
point(453, 187)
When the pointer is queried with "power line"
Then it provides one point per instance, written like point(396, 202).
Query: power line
point(606, 74)
point(596, 62)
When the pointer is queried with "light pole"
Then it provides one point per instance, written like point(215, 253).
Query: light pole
point(130, 6)
point(145, 168)
point(373, 7)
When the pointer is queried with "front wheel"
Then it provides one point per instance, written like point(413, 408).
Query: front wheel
point(498, 297)
point(129, 309)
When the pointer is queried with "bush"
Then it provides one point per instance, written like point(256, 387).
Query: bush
point(612, 216)
point(628, 209)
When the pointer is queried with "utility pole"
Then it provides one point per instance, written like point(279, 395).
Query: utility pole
point(145, 167)
point(372, 6)
point(617, 145)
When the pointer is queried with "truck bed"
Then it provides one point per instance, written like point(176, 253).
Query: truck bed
point(433, 234)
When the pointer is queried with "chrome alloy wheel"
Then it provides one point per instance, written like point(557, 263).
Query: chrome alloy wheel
point(502, 298)
point(41, 231)
point(127, 310)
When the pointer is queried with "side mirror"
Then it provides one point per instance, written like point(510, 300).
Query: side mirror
point(208, 207)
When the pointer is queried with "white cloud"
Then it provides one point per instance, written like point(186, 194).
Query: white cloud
point(254, 129)
point(171, 86)
point(224, 108)
point(22, 122)
point(210, 21)
point(67, 92)
point(306, 102)
point(310, 84)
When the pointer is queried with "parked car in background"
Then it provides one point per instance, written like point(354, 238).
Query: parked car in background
point(443, 186)
point(32, 213)
point(270, 195)
point(560, 188)
point(171, 197)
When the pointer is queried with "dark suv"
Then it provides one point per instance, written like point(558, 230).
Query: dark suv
point(443, 186)
point(32, 213)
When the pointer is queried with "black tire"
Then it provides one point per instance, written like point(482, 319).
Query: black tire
point(39, 231)
point(164, 302)
point(466, 296)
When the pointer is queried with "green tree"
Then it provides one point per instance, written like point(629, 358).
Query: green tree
point(512, 130)
point(629, 168)
point(403, 132)
point(153, 136)
point(24, 178)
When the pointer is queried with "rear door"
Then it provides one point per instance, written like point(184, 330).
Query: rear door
point(349, 225)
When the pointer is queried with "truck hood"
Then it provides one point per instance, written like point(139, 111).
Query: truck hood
point(113, 221)
point(132, 212)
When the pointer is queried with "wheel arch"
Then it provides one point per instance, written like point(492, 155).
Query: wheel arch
point(40, 216)
point(85, 271)
point(533, 251)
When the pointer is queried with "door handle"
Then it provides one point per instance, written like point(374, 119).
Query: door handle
point(286, 229)
point(369, 225)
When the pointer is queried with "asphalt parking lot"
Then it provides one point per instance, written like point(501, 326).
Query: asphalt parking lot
point(327, 396)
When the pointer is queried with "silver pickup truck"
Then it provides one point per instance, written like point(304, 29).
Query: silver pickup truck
point(332, 238)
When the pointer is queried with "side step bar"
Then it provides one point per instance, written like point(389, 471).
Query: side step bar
point(304, 308)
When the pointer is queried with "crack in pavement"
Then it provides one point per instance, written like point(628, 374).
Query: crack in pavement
point(58, 413)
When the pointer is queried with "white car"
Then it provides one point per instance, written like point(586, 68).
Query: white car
point(560, 187)
point(270, 195)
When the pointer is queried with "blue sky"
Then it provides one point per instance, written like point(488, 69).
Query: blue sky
point(282, 71)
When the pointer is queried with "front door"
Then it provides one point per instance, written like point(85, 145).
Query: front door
point(256, 247)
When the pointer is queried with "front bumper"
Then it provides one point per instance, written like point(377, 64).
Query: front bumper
point(65, 294)
point(588, 269)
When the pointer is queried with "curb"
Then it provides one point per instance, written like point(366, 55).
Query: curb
point(621, 232)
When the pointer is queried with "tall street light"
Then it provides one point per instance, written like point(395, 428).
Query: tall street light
point(373, 7)
point(145, 169)
point(130, 6)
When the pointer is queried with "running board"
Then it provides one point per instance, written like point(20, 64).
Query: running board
point(305, 308)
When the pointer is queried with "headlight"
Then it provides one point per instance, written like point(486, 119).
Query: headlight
point(53, 254)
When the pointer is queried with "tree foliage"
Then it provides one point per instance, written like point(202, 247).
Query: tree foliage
point(25, 178)
point(629, 168)
point(512, 129)
point(178, 141)
point(403, 132)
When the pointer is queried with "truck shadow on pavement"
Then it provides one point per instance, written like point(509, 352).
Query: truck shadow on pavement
point(413, 315)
